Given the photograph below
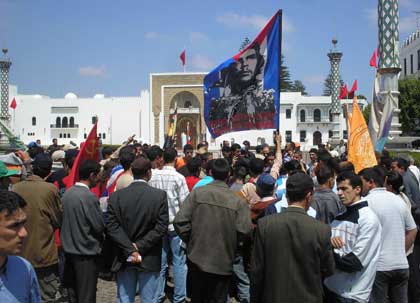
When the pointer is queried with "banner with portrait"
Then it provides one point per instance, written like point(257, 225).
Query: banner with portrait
point(243, 93)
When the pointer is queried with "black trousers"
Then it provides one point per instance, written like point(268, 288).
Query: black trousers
point(81, 277)
point(390, 286)
point(207, 287)
point(414, 279)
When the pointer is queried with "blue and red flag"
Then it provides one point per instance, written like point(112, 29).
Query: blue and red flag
point(243, 93)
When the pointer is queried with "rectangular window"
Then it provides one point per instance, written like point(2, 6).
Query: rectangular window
point(288, 136)
point(418, 59)
point(330, 134)
point(288, 113)
point(345, 136)
point(302, 135)
point(405, 66)
point(411, 64)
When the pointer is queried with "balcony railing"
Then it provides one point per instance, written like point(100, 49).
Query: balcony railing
point(64, 126)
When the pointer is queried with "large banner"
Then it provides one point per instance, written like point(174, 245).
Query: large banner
point(243, 93)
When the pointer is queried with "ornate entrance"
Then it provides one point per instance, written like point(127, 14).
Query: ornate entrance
point(185, 123)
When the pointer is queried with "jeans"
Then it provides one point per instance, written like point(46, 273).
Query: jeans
point(241, 279)
point(390, 286)
point(173, 242)
point(130, 279)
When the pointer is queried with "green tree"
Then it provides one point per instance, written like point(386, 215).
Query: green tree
point(328, 85)
point(299, 87)
point(361, 97)
point(366, 112)
point(409, 104)
point(286, 84)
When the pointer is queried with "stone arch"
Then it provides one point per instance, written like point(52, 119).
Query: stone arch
point(185, 99)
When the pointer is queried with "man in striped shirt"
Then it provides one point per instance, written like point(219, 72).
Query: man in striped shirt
point(169, 180)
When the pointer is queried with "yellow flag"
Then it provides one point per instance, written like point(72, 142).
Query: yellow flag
point(361, 152)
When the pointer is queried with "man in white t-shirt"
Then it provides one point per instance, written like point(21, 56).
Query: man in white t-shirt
point(398, 234)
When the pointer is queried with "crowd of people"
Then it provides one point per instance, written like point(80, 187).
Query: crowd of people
point(260, 227)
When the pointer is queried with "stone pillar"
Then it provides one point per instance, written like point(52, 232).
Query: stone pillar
point(335, 58)
point(389, 59)
point(4, 79)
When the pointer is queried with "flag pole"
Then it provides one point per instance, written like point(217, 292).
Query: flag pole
point(185, 65)
point(279, 60)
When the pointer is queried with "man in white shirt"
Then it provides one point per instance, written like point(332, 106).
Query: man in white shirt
point(169, 180)
point(398, 234)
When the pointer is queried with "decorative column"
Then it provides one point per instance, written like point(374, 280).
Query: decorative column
point(4, 79)
point(335, 57)
point(389, 61)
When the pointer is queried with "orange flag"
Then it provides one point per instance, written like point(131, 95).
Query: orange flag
point(88, 151)
point(361, 152)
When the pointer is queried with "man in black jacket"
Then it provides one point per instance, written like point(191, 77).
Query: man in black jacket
point(82, 235)
point(292, 251)
point(137, 221)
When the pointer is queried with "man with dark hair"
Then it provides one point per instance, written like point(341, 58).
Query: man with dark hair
point(313, 161)
point(194, 167)
point(82, 234)
point(126, 158)
point(325, 202)
point(212, 221)
point(17, 276)
point(398, 234)
point(227, 153)
point(175, 186)
point(356, 238)
point(155, 155)
point(345, 166)
point(106, 152)
point(44, 214)
point(301, 243)
point(411, 186)
point(137, 222)
point(208, 178)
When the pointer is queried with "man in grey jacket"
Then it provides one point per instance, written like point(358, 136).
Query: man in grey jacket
point(82, 235)
point(212, 221)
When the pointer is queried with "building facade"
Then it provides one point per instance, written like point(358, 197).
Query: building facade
point(303, 119)
point(410, 56)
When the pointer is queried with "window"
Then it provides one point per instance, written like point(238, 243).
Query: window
point(288, 113)
point(418, 59)
point(61, 136)
point(330, 134)
point(411, 64)
point(58, 122)
point(65, 122)
point(68, 136)
point(93, 119)
point(71, 121)
point(345, 136)
point(288, 136)
point(317, 115)
point(302, 135)
point(100, 136)
point(330, 115)
point(33, 121)
point(405, 67)
point(85, 135)
point(302, 115)
point(103, 136)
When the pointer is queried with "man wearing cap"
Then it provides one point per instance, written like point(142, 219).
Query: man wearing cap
point(291, 268)
point(5, 174)
point(44, 211)
point(137, 222)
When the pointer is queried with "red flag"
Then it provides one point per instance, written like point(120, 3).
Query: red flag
point(343, 92)
point(373, 59)
point(182, 57)
point(13, 104)
point(353, 89)
point(88, 151)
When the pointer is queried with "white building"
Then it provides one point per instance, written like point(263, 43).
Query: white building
point(71, 118)
point(410, 56)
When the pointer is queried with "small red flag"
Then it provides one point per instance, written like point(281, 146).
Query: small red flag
point(343, 92)
point(373, 59)
point(88, 151)
point(353, 89)
point(13, 104)
point(182, 57)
